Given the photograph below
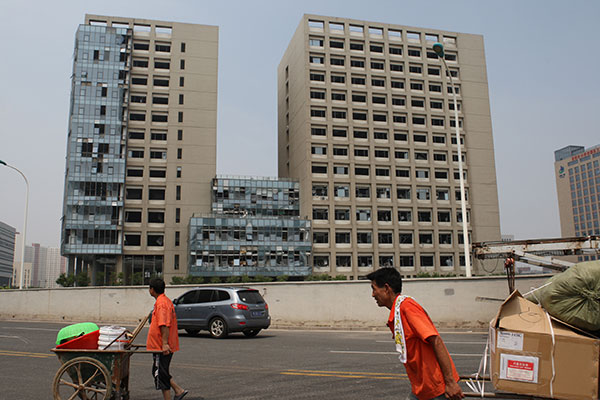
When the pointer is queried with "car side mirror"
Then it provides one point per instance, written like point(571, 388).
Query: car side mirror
point(175, 301)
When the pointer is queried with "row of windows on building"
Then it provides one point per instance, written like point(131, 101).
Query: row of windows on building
point(379, 116)
point(157, 63)
point(155, 135)
point(320, 191)
point(153, 239)
point(102, 190)
point(393, 34)
point(154, 173)
point(384, 215)
point(382, 153)
point(254, 234)
point(378, 48)
point(154, 193)
point(379, 65)
point(154, 154)
point(156, 116)
point(264, 258)
point(405, 238)
point(382, 100)
point(379, 82)
point(382, 135)
point(159, 46)
point(342, 191)
point(404, 260)
point(157, 81)
point(158, 99)
point(380, 171)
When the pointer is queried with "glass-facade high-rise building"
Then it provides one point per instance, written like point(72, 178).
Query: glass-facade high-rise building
point(141, 149)
point(7, 253)
point(577, 171)
point(95, 170)
point(254, 229)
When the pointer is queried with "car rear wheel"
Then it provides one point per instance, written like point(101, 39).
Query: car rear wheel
point(217, 328)
point(251, 333)
point(192, 332)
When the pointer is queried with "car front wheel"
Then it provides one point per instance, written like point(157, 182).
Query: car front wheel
point(251, 333)
point(217, 328)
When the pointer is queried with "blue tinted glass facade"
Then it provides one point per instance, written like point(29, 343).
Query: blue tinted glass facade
point(256, 196)
point(254, 229)
point(95, 171)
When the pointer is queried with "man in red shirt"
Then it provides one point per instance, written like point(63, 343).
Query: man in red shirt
point(163, 339)
point(428, 365)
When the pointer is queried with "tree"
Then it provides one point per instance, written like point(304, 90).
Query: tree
point(65, 280)
point(82, 279)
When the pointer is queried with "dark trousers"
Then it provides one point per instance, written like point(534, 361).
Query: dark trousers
point(160, 371)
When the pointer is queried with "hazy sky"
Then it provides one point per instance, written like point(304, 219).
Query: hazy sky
point(543, 71)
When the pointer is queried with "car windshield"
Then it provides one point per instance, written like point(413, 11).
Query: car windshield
point(250, 296)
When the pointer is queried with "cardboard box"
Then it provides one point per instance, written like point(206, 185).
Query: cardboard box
point(523, 354)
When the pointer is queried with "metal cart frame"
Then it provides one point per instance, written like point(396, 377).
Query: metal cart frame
point(96, 374)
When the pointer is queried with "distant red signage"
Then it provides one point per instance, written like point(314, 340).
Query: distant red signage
point(587, 153)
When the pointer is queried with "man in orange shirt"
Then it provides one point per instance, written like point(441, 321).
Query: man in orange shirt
point(428, 365)
point(163, 339)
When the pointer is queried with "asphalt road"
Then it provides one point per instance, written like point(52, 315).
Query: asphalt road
point(277, 364)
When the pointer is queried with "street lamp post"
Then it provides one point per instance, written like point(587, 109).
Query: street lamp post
point(24, 223)
point(438, 48)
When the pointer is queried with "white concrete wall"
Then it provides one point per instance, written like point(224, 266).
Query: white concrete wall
point(451, 302)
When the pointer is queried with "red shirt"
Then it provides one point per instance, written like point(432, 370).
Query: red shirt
point(162, 315)
point(422, 367)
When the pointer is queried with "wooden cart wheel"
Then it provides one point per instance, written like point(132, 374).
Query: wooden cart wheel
point(82, 377)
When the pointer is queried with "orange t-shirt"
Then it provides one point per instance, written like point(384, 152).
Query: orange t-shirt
point(162, 315)
point(422, 367)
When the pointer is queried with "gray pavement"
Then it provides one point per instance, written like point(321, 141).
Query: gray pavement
point(277, 364)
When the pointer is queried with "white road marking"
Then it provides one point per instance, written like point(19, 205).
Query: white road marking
point(361, 352)
point(447, 342)
point(15, 337)
point(393, 352)
point(29, 329)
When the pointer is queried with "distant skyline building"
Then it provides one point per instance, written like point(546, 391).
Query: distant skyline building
point(141, 146)
point(366, 124)
point(254, 229)
point(43, 265)
point(577, 171)
point(7, 253)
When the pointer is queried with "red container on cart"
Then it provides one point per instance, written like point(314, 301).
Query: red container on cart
point(85, 342)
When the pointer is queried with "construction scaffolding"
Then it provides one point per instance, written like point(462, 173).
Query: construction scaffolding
point(548, 253)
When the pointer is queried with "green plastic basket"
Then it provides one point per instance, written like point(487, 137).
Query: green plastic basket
point(72, 331)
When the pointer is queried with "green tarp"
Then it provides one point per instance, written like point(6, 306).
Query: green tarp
point(573, 296)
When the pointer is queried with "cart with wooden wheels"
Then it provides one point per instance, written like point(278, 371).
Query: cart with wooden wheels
point(95, 374)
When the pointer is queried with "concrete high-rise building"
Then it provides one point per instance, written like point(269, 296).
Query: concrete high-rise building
point(55, 265)
point(366, 124)
point(577, 171)
point(27, 266)
point(141, 150)
point(43, 265)
point(7, 253)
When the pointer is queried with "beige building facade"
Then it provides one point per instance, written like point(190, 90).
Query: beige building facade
point(577, 171)
point(158, 150)
point(366, 123)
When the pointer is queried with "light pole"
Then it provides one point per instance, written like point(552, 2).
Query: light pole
point(438, 48)
point(24, 223)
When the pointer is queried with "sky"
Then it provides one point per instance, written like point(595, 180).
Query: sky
point(542, 68)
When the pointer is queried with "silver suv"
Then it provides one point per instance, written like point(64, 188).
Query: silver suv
point(222, 310)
